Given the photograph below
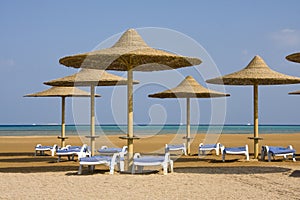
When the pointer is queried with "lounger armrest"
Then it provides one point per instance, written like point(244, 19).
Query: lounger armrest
point(38, 145)
point(290, 147)
point(124, 149)
point(136, 155)
point(167, 157)
point(200, 145)
point(103, 147)
point(64, 148)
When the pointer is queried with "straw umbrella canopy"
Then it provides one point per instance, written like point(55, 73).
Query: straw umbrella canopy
point(188, 88)
point(130, 53)
point(62, 92)
point(295, 57)
point(91, 78)
point(256, 73)
point(295, 92)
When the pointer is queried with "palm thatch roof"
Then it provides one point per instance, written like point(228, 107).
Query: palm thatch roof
point(188, 88)
point(295, 57)
point(295, 92)
point(61, 92)
point(88, 77)
point(257, 72)
point(129, 52)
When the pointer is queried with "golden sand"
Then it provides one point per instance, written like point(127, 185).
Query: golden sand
point(24, 176)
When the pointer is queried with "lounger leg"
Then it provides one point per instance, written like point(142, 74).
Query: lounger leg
point(121, 166)
point(217, 151)
point(223, 157)
point(165, 168)
point(285, 157)
point(133, 169)
point(80, 169)
point(111, 168)
point(184, 151)
point(171, 166)
point(294, 157)
point(58, 159)
point(262, 154)
point(269, 157)
point(140, 169)
point(91, 168)
point(247, 156)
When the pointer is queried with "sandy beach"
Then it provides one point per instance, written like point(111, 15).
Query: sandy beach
point(24, 176)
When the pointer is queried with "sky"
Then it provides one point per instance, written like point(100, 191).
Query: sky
point(35, 34)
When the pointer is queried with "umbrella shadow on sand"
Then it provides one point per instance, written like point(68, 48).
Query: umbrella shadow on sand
point(232, 170)
point(295, 174)
point(38, 169)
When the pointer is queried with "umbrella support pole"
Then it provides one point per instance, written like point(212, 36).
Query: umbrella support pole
point(130, 117)
point(63, 130)
point(255, 95)
point(92, 120)
point(188, 127)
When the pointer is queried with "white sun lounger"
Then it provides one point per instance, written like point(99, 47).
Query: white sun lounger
point(203, 148)
point(141, 161)
point(41, 149)
point(104, 150)
point(273, 151)
point(235, 150)
point(72, 151)
point(110, 161)
point(175, 147)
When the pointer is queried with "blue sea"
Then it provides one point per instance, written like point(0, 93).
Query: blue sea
point(40, 130)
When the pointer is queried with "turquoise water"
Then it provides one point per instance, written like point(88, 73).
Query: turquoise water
point(31, 130)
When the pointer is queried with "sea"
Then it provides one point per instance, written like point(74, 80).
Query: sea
point(48, 130)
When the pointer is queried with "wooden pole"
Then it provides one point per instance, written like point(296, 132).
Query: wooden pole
point(63, 130)
point(130, 117)
point(188, 126)
point(255, 121)
point(93, 119)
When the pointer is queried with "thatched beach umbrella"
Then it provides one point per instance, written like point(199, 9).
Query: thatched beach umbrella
point(295, 92)
point(91, 78)
point(188, 88)
point(130, 53)
point(62, 92)
point(256, 73)
point(295, 57)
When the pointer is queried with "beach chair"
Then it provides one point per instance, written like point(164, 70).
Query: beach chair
point(141, 161)
point(72, 151)
point(109, 161)
point(272, 151)
point(104, 150)
point(41, 149)
point(176, 147)
point(203, 148)
point(235, 151)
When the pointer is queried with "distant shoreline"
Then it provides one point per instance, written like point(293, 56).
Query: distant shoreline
point(35, 130)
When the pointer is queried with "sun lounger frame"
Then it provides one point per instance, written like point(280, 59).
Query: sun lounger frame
point(115, 159)
point(166, 163)
point(170, 147)
point(41, 149)
point(265, 150)
point(202, 149)
point(84, 152)
point(231, 150)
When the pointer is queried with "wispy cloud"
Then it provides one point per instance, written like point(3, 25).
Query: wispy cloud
point(286, 37)
point(7, 62)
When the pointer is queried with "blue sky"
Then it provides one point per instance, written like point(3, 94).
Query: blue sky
point(35, 34)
